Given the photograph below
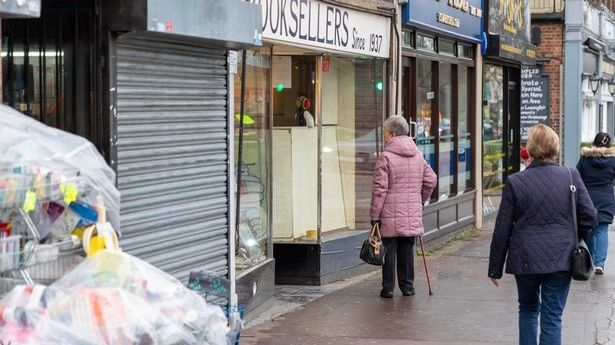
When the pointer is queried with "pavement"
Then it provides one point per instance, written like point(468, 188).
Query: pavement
point(465, 308)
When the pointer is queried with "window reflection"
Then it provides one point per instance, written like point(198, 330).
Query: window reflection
point(253, 233)
point(493, 122)
point(447, 137)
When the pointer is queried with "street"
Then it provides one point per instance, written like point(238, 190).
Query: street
point(465, 308)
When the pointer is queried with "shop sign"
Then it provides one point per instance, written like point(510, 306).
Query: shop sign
point(458, 18)
point(608, 69)
point(509, 31)
point(323, 25)
point(535, 101)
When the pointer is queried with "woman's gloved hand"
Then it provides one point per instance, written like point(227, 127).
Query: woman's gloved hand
point(375, 221)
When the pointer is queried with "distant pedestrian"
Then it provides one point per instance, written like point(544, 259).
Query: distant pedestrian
point(534, 235)
point(403, 182)
point(597, 168)
point(525, 159)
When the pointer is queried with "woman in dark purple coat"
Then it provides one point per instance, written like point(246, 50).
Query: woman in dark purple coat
point(534, 234)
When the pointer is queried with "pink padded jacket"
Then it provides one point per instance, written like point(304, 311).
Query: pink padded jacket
point(403, 181)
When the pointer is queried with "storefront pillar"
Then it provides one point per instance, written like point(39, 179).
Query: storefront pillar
point(478, 140)
point(573, 79)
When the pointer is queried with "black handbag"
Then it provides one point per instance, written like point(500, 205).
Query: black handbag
point(582, 267)
point(372, 251)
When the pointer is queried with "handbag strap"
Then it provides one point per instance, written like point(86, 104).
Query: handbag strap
point(573, 200)
point(375, 231)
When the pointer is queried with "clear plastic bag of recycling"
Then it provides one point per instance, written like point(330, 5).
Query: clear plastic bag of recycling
point(113, 298)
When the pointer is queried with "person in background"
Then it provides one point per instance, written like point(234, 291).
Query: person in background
point(403, 182)
point(534, 236)
point(525, 159)
point(303, 117)
point(597, 168)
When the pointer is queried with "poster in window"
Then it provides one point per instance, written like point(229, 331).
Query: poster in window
point(535, 89)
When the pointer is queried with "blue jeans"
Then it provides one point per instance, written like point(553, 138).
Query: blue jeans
point(544, 296)
point(599, 243)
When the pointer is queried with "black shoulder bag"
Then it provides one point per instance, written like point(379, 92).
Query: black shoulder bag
point(582, 267)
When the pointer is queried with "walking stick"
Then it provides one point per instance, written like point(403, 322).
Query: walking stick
point(425, 264)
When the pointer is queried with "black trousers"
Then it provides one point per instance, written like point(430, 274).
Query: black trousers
point(398, 250)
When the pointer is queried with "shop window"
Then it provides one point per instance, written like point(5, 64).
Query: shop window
point(351, 137)
point(425, 137)
point(426, 43)
point(253, 228)
point(446, 171)
point(464, 131)
point(441, 107)
point(293, 77)
point(466, 51)
point(49, 67)
point(408, 39)
point(447, 47)
point(493, 132)
point(295, 148)
point(344, 143)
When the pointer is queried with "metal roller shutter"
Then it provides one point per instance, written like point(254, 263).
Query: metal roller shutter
point(172, 154)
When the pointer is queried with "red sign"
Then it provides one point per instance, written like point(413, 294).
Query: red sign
point(326, 63)
point(169, 25)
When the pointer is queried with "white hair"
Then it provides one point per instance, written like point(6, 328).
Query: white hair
point(397, 125)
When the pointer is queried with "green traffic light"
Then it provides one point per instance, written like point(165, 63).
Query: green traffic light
point(280, 87)
point(379, 85)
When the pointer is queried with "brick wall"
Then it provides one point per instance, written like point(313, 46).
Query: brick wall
point(551, 51)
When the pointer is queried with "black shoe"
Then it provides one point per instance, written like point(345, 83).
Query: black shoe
point(409, 292)
point(386, 294)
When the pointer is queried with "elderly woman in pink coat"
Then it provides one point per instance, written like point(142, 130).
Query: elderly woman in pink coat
point(403, 182)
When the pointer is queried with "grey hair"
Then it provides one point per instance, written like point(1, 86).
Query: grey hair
point(397, 125)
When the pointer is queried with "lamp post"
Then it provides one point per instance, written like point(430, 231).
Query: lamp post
point(594, 83)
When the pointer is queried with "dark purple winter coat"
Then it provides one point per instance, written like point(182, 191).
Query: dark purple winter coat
point(597, 168)
point(533, 231)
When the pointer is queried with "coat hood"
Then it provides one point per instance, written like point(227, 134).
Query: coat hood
point(598, 156)
point(402, 146)
point(598, 152)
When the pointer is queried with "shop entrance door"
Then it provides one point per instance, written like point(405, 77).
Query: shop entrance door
point(501, 135)
point(512, 146)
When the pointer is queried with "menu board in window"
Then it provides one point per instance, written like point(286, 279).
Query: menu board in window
point(534, 99)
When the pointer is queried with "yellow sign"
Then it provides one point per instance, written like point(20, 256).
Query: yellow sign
point(448, 20)
point(511, 49)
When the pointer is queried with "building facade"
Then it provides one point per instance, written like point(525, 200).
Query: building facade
point(439, 77)
point(323, 90)
point(589, 71)
point(151, 85)
point(507, 50)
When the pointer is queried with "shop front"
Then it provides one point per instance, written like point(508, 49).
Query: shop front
point(439, 79)
point(328, 91)
point(508, 48)
point(154, 90)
